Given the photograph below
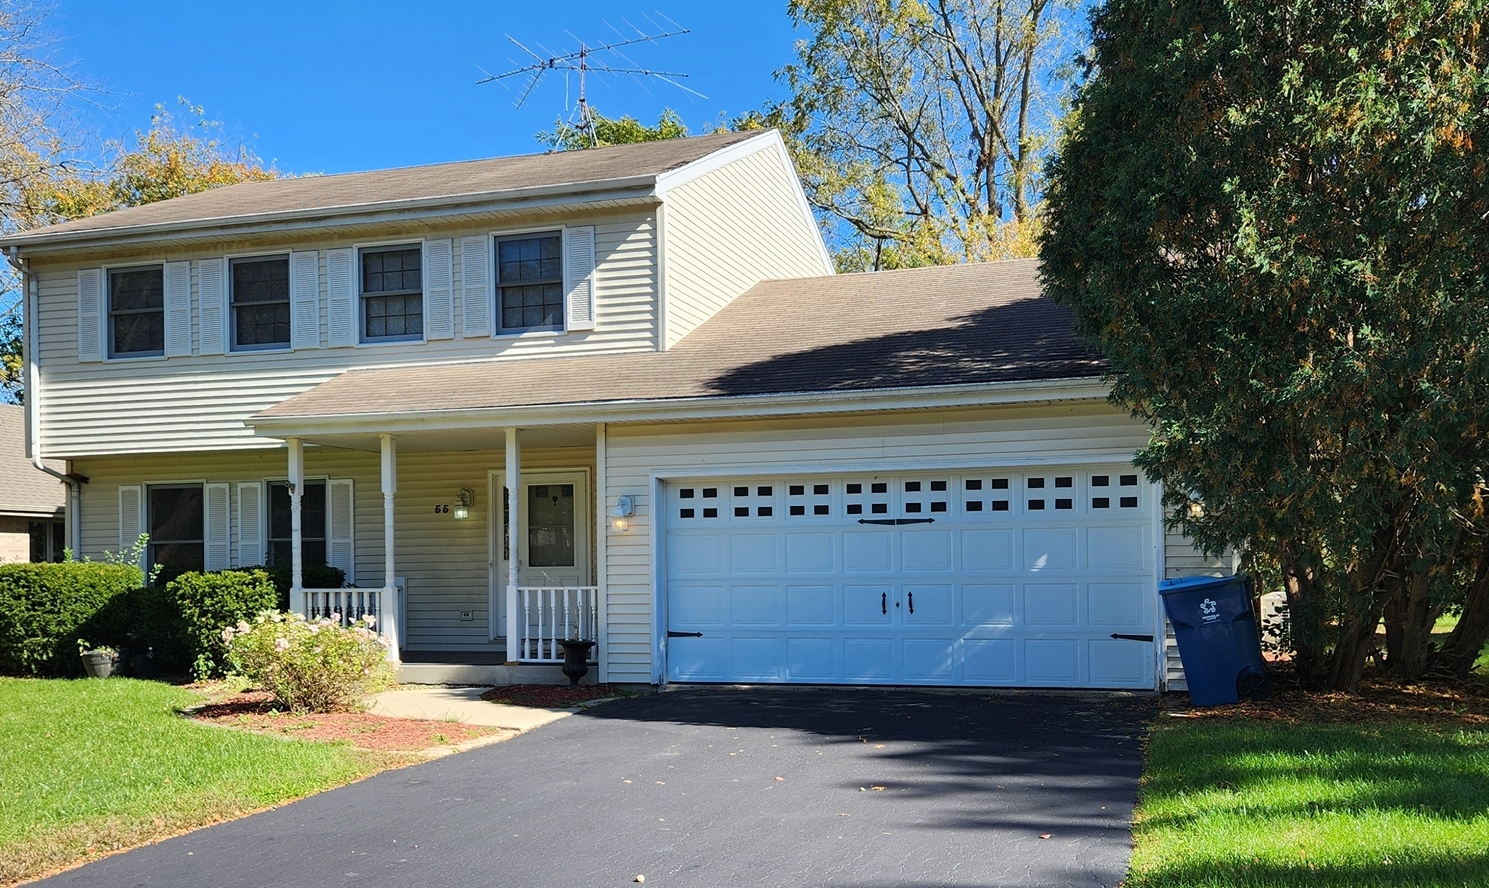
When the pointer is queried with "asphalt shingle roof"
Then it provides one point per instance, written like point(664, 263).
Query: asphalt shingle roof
point(467, 180)
point(951, 325)
point(23, 488)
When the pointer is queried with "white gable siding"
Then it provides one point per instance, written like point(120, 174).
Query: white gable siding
point(1024, 434)
point(444, 560)
point(730, 229)
point(198, 402)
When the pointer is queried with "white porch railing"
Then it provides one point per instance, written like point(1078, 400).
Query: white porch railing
point(547, 615)
point(350, 604)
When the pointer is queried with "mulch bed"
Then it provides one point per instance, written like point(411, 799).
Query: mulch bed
point(550, 696)
point(255, 711)
point(1449, 704)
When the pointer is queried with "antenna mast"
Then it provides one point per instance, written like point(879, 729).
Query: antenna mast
point(582, 61)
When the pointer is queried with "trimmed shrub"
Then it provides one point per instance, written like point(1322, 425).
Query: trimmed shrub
point(45, 608)
point(315, 577)
point(319, 666)
point(210, 602)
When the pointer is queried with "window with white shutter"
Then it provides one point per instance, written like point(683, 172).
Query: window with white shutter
point(475, 290)
point(211, 285)
point(341, 298)
point(260, 302)
point(176, 519)
point(312, 524)
point(305, 299)
point(218, 528)
point(90, 314)
point(177, 309)
point(530, 282)
point(250, 524)
point(579, 276)
point(136, 310)
point(341, 521)
point(131, 515)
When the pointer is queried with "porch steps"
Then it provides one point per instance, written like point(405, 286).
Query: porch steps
point(487, 674)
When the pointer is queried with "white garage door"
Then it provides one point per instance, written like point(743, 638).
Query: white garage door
point(1016, 579)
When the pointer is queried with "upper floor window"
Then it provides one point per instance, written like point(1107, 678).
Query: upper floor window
point(261, 303)
point(530, 282)
point(392, 293)
point(136, 311)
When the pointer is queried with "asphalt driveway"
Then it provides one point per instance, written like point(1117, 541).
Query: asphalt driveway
point(714, 787)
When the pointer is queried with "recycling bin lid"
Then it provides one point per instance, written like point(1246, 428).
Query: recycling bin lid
point(1192, 584)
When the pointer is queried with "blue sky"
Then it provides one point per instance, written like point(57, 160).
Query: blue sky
point(336, 86)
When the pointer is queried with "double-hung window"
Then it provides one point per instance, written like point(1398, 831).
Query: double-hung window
point(261, 303)
point(392, 291)
point(176, 522)
point(312, 524)
point(136, 301)
point(530, 282)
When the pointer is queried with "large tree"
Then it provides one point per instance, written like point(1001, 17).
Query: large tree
point(596, 130)
point(920, 126)
point(1272, 219)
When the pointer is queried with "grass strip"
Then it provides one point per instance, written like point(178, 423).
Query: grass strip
point(88, 767)
point(1246, 802)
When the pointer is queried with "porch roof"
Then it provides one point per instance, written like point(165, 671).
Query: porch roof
point(926, 328)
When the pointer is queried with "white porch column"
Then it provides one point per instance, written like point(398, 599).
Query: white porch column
point(388, 605)
point(514, 549)
point(297, 489)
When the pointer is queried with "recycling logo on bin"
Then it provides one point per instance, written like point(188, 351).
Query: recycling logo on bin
point(1209, 610)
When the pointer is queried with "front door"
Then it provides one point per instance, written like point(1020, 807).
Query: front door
point(554, 533)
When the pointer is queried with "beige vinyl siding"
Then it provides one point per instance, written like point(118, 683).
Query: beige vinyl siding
point(730, 229)
point(1092, 432)
point(444, 561)
point(1182, 559)
point(199, 403)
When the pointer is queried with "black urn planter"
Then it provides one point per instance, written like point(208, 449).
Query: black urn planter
point(576, 658)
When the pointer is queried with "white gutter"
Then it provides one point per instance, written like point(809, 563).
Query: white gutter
point(30, 337)
point(696, 408)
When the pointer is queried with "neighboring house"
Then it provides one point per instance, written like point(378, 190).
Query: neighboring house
point(616, 394)
point(32, 502)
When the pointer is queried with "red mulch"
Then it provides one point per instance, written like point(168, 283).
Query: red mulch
point(255, 711)
point(1451, 704)
point(550, 696)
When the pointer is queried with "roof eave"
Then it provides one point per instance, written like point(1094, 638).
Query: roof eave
point(695, 408)
point(638, 189)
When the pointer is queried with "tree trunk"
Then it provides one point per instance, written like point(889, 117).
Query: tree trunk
point(1472, 632)
point(1409, 617)
point(1306, 622)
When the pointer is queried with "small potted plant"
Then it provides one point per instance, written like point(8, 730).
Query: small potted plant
point(99, 660)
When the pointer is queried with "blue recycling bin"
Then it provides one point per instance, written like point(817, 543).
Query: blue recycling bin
point(1218, 640)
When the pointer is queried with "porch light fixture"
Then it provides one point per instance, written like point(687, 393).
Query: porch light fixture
point(620, 518)
point(463, 500)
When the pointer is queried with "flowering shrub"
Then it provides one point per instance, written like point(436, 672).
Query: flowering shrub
point(320, 666)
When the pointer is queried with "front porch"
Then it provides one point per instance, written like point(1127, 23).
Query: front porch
point(536, 540)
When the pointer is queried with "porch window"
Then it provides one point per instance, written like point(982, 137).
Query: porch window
point(177, 525)
point(392, 293)
point(312, 524)
point(261, 303)
point(530, 282)
point(136, 311)
point(550, 530)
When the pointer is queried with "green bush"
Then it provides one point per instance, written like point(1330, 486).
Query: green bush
point(314, 576)
point(45, 608)
point(210, 602)
point(318, 666)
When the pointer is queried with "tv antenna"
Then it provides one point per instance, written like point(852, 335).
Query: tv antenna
point(583, 61)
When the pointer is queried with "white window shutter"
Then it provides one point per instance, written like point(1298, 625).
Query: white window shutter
point(131, 514)
point(211, 284)
point(250, 524)
point(305, 300)
point(475, 289)
point(177, 309)
point(91, 315)
point(341, 550)
point(579, 276)
point(439, 289)
point(217, 533)
point(341, 298)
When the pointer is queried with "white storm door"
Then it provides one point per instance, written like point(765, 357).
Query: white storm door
point(553, 541)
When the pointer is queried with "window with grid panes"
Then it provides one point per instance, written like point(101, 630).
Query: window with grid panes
point(530, 282)
point(312, 524)
point(137, 311)
point(261, 303)
point(392, 293)
point(176, 522)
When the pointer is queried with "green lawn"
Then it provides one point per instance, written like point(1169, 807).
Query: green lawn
point(89, 766)
point(1234, 801)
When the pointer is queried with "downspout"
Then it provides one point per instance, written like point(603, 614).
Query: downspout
point(30, 337)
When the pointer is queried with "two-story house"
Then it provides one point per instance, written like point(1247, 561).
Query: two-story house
point(615, 394)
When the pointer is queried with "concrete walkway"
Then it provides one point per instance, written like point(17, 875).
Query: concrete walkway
point(462, 705)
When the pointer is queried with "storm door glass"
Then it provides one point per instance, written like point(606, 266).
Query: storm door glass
point(550, 527)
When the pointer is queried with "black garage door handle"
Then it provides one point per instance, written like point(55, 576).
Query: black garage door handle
point(671, 634)
point(1132, 637)
point(896, 522)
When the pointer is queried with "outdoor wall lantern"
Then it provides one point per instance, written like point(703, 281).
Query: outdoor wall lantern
point(463, 500)
point(625, 507)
